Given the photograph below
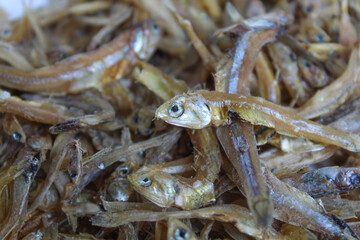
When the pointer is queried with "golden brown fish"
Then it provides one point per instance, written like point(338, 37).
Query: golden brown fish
point(206, 108)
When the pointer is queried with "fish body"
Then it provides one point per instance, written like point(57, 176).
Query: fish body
point(86, 70)
point(330, 180)
point(166, 190)
point(201, 109)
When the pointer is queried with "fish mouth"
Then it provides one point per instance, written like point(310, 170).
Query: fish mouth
point(159, 114)
point(178, 124)
point(182, 123)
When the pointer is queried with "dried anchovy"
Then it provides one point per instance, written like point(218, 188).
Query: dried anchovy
point(267, 91)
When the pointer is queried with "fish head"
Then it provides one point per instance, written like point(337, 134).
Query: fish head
point(156, 186)
point(184, 110)
point(178, 230)
point(145, 39)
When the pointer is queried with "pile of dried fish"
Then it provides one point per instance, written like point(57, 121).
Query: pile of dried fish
point(176, 119)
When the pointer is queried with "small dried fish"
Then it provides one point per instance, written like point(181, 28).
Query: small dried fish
point(167, 190)
point(225, 213)
point(333, 95)
point(205, 108)
point(327, 180)
point(87, 70)
point(243, 77)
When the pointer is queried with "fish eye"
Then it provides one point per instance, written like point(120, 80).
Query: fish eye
point(181, 234)
point(155, 28)
point(355, 179)
point(6, 32)
point(307, 64)
point(319, 38)
point(145, 182)
point(124, 171)
point(308, 9)
point(17, 136)
point(293, 56)
point(176, 109)
point(73, 174)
